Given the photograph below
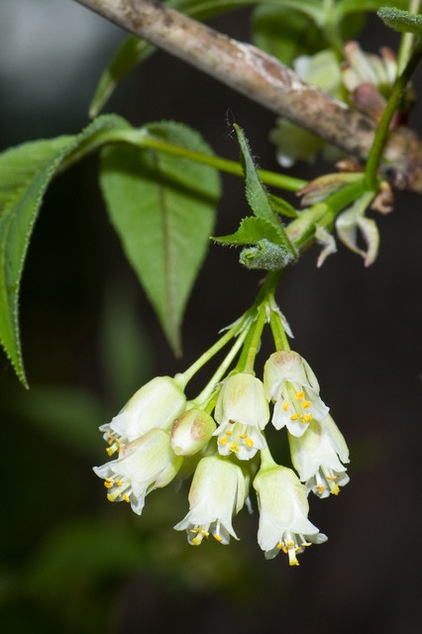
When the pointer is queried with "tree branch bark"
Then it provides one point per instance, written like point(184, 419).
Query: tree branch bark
point(265, 80)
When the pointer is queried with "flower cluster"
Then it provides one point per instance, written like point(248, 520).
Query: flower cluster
point(224, 432)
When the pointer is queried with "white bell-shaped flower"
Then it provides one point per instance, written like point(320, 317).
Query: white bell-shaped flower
point(283, 520)
point(144, 464)
point(318, 457)
point(242, 412)
point(291, 384)
point(155, 405)
point(218, 492)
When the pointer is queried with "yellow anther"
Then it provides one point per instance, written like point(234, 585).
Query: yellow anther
point(319, 488)
point(119, 483)
point(217, 537)
point(233, 447)
point(286, 406)
point(108, 484)
point(196, 541)
point(294, 416)
point(111, 497)
point(334, 488)
point(307, 418)
point(126, 498)
point(300, 394)
point(306, 404)
point(280, 545)
point(229, 432)
point(243, 436)
point(249, 443)
point(223, 440)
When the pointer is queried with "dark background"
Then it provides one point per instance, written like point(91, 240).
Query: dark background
point(70, 562)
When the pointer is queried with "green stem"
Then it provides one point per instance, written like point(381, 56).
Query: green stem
point(216, 347)
point(208, 390)
point(381, 135)
point(279, 334)
point(251, 346)
point(224, 165)
point(407, 40)
point(301, 231)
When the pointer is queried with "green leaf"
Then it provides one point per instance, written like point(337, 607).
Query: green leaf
point(256, 194)
point(401, 20)
point(250, 231)
point(163, 209)
point(282, 207)
point(25, 173)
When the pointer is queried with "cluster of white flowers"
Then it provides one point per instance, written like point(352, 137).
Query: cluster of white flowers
point(158, 428)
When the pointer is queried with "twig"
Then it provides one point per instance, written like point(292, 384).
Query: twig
point(264, 79)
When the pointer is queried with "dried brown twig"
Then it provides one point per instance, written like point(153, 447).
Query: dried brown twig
point(265, 80)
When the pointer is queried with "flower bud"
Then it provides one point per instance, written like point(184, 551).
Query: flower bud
point(191, 432)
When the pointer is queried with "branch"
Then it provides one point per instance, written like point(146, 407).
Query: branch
point(265, 80)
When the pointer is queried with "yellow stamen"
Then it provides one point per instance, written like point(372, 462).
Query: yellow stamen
point(286, 406)
point(223, 440)
point(108, 484)
point(233, 447)
point(126, 498)
point(300, 394)
point(306, 404)
point(294, 416)
point(307, 418)
point(249, 443)
point(217, 537)
point(319, 488)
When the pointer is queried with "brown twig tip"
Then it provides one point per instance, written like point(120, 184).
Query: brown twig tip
point(265, 80)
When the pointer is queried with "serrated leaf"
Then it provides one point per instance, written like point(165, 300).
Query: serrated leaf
point(163, 209)
point(401, 20)
point(251, 230)
point(257, 196)
point(25, 173)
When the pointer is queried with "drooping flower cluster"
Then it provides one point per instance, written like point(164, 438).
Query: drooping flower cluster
point(225, 432)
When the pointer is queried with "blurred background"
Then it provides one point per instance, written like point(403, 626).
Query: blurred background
point(70, 561)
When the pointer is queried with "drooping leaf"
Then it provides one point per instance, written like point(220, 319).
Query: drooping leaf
point(163, 209)
point(401, 20)
point(25, 173)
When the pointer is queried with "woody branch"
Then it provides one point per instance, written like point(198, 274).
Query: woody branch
point(265, 80)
